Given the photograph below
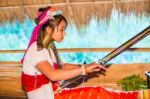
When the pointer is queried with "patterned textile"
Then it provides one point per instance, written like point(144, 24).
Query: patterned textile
point(144, 94)
point(95, 93)
point(98, 92)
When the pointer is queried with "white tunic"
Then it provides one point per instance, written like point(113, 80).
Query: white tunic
point(31, 59)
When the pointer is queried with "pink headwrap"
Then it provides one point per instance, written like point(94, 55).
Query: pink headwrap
point(44, 17)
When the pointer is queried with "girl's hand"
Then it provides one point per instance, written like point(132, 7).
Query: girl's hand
point(92, 67)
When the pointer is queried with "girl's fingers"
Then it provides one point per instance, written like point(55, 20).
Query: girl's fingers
point(96, 70)
point(101, 67)
point(93, 63)
point(95, 67)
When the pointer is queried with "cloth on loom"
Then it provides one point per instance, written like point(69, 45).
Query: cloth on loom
point(144, 94)
point(98, 92)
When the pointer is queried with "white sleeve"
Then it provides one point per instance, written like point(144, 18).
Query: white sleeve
point(38, 56)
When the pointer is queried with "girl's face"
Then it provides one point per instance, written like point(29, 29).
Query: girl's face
point(59, 32)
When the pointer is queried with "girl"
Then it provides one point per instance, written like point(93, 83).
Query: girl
point(41, 63)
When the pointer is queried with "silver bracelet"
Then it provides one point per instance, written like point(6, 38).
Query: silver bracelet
point(83, 69)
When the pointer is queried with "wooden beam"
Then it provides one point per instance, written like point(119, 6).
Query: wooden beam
point(12, 51)
point(102, 50)
point(33, 5)
point(10, 62)
point(82, 50)
point(72, 3)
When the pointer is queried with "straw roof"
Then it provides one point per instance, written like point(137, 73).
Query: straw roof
point(78, 10)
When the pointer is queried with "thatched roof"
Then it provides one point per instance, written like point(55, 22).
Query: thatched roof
point(78, 10)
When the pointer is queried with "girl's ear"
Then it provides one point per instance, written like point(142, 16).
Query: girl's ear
point(48, 30)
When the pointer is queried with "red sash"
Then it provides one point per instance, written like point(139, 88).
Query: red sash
point(33, 82)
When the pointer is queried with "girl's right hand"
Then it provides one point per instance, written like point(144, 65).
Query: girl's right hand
point(92, 67)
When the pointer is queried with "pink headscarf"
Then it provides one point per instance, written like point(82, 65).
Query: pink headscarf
point(44, 17)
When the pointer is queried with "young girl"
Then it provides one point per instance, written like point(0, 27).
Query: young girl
point(41, 63)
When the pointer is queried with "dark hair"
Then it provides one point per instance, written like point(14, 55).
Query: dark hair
point(52, 23)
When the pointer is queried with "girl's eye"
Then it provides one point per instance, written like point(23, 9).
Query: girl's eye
point(61, 30)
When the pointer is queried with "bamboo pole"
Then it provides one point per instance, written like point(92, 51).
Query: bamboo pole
point(82, 50)
point(10, 62)
point(128, 44)
point(102, 50)
point(70, 50)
